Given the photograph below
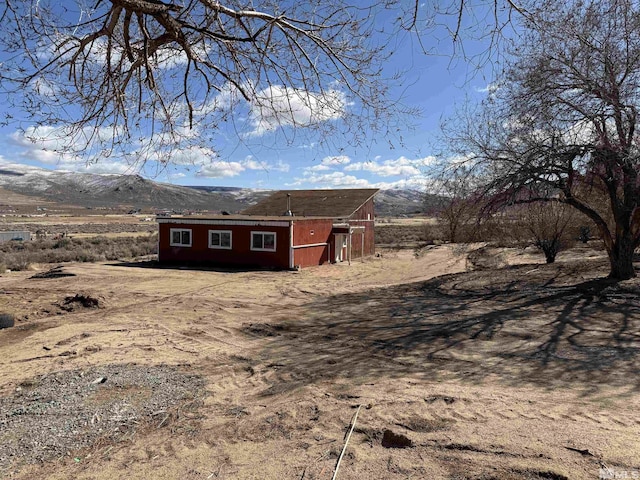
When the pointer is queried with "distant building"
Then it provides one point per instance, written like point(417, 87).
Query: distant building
point(289, 229)
point(15, 235)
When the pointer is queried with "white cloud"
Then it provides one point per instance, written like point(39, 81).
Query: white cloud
point(383, 170)
point(335, 160)
point(96, 168)
point(401, 166)
point(342, 180)
point(62, 145)
point(42, 86)
point(459, 161)
point(48, 157)
point(102, 167)
point(281, 166)
point(220, 169)
point(332, 180)
point(413, 183)
point(317, 168)
point(410, 169)
point(225, 98)
point(328, 163)
point(70, 150)
point(65, 46)
point(490, 88)
point(584, 132)
point(252, 164)
point(277, 106)
point(56, 147)
point(192, 155)
point(43, 144)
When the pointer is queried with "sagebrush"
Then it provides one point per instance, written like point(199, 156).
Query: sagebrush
point(19, 255)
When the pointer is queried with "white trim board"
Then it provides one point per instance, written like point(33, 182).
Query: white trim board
point(228, 223)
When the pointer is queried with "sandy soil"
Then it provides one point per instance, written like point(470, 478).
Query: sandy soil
point(520, 371)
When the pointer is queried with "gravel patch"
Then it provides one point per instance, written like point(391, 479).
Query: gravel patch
point(57, 414)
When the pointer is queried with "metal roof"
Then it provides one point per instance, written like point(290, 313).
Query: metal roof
point(313, 203)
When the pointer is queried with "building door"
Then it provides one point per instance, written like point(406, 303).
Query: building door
point(341, 246)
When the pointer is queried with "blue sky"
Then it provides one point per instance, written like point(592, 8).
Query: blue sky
point(433, 83)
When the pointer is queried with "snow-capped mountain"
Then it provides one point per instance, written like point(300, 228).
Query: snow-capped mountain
point(133, 191)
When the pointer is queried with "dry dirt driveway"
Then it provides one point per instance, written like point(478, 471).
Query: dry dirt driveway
point(526, 371)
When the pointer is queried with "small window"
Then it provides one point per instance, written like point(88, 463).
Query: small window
point(263, 241)
point(368, 216)
point(180, 237)
point(220, 239)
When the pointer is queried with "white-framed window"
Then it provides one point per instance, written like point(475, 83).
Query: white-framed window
point(180, 237)
point(220, 239)
point(263, 241)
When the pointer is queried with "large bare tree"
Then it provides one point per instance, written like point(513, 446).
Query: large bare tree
point(123, 71)
point(561, 125)
point(109, 74)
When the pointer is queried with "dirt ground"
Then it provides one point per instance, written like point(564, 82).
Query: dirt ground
point(516, 370)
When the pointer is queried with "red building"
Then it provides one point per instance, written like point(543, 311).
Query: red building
point(289, 229)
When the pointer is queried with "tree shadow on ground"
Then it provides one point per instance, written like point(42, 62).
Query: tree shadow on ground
point(538, 324)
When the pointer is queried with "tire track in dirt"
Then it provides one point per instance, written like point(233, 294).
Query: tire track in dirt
point(477, 411)
point(193, 346)
point(464, 429)
point(283, 412)
point(212, 342)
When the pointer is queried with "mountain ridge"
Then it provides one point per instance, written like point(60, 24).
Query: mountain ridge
point(133, 191)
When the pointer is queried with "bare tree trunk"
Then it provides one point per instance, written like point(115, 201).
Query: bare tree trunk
point(453, 227)
point(550, 248)
point(621, 257)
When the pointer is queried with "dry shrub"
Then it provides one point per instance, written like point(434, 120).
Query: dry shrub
point(486, 258)
point(99, 240)
point(433, 233)
point(17, 262)
point(62, 243)
point(19, 255)
point(402, 234)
